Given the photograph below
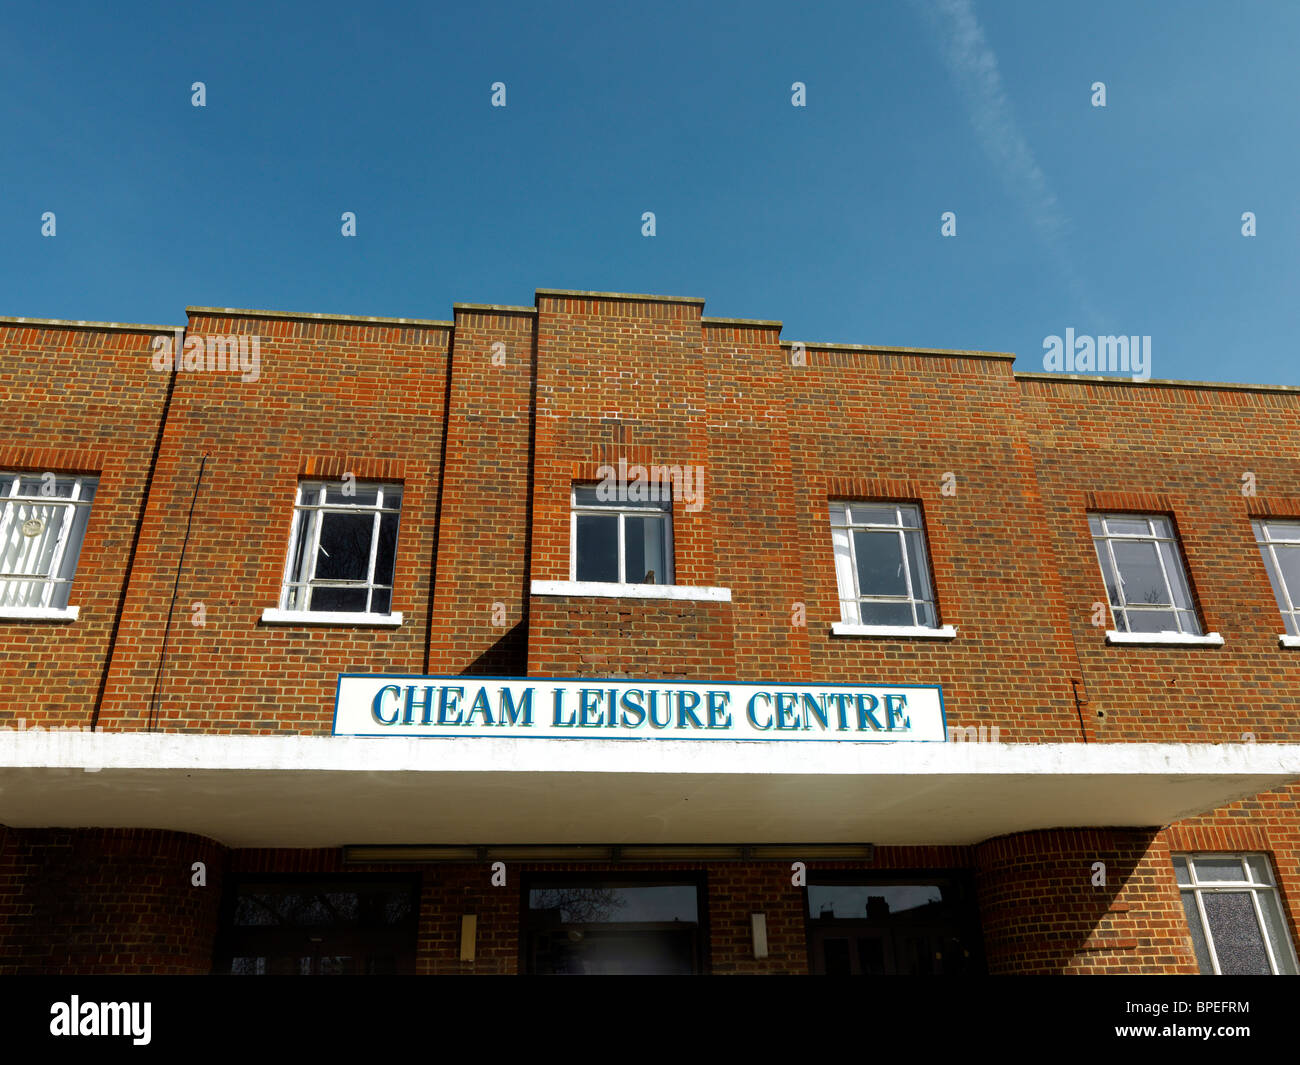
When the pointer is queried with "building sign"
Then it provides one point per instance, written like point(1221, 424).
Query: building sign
point(593, 708)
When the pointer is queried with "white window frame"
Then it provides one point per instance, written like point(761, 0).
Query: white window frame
point(663, 509)
point(10, 498)
point(846, 575)
point(309, 499)
point(1289, 601)
point(1107, 540)
point(1198, 887)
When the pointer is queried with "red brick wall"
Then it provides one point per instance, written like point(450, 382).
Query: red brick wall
point(1187, 448)
point(1041, 912)
point(479, 622)
point(585, 381)
point(1269, 824)
point(76, 401)
point(623, 373)
point(867, 424)
point(620, 378)
point(751, 493)
point(736, 891)
point(452, 891)
point(1182, 451)
point(332, 397)
point(650, 382)
point(582, 636)
point(105, 901)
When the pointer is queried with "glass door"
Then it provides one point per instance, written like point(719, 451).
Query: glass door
point(588, 926)
point(297, 926)
point(892, 927)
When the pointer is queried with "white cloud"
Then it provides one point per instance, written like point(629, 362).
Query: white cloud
point(974, 67)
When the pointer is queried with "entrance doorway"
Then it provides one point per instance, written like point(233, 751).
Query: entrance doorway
point(904, 926)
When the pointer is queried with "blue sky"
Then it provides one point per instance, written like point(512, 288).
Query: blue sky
point(1124, 219)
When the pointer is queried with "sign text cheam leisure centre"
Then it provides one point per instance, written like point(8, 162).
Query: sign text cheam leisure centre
point(594, 708)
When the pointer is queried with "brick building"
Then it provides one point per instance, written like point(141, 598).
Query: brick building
point(601, 635)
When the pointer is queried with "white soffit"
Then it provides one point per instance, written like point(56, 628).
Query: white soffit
point(320, 791)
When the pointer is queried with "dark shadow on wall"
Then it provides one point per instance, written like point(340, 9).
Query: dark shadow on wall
point(1044, 907)
point(508, 657)
point(108, 901)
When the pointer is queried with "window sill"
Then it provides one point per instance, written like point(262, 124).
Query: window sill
point(1181, 639)
point(608, 590)
point(39, 613)
point(1286, 640)
point(328, 617)
point(906, 632)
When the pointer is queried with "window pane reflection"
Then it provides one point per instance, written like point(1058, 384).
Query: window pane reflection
point(571, 904)
point(873, 901)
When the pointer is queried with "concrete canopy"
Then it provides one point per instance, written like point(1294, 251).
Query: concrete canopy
point(314, 791)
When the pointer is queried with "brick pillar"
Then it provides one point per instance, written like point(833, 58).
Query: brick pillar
point(447, 893)
point(738, 890)
point(1041, 912)
point(102, 901)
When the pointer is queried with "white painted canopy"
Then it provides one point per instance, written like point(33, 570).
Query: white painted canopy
point(310, 791)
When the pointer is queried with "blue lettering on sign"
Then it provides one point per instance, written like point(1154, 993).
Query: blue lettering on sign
point(865, 712)
point(719, 715)
point(379, 697)
point(447, 703)
point(668, 711)
point(588, 698)
point(426, 704)
point(508, 713)
point(687, 710)
point(634, 706)
point(815, 708)
point(559, 706)
point(480, 706)
point(893, 712)
point(785, 707)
